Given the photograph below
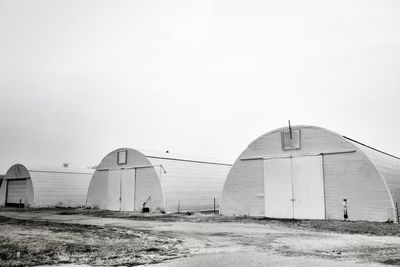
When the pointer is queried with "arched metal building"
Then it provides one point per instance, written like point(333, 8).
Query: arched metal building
point(307, 172)
point(126, 178)
point(38, 186)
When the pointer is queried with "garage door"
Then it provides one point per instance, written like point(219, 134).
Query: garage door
point(294, 188)
point(16, 191)
point(121, 190)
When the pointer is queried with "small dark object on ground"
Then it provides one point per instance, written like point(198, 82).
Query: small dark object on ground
point(145, 209)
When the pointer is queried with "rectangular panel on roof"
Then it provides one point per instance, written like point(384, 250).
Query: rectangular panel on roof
point(122, 157)
point(291, 139)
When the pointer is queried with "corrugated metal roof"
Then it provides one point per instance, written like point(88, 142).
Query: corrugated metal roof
point(357, 143)
point(369, 176)
point(58, 169)
point(182, 157)
point(53, 185)
point(190, 184)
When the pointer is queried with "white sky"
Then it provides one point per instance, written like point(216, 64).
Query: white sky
point(81, 78)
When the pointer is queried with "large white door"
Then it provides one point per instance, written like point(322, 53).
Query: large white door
point(16, 191)
point(114, 190)
point(308, 187)
point(128, 190)
point(278, 188)
point(294, 188)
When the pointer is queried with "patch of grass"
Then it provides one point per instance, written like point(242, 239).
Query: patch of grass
point(336, 226)
point(356, 227)
point(29, 243)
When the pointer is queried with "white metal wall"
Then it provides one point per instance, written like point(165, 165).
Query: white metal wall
point(127, 186)
point(243, 191)
point(349, 175)
point(97, 196)
point(148, 185)
point(51, 186)
point(165, 181)
point(389, 167)
point(62, 189)
point(191, 185)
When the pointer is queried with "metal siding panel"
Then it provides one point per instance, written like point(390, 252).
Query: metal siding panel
point(134, 158)
point(191, 185)
point(353, 177)
point(246, 177)
point(59, 189)
point(98, 190)
point(313, 140)
point(30, 201)
point(17, 171)
point(148, 185)
point(308, 188)
point(3, 189)
point(194, 184)
point(278, 188)
point(389, 168)
point(243, 192)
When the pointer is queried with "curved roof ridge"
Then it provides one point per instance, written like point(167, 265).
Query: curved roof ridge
point(53, 168)
point(174, 156)
point(318, 127)
point(295, 126)
point(374, 164)
point(370, 147)
point(371, 154)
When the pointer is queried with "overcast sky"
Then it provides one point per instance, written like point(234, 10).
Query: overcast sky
point(205, 78)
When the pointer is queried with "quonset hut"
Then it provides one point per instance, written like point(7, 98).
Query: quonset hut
point(128, 179)
point(307, 172)
point(39, 186)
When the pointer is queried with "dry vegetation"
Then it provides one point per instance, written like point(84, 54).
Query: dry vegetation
point(335, 226)
point(135, 238)
point(29, 243)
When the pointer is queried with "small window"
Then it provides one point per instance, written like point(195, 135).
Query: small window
point(291, 140)
point(121, 157)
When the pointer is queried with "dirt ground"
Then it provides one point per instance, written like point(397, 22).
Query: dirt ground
point(30, 243)
point(126, 239)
